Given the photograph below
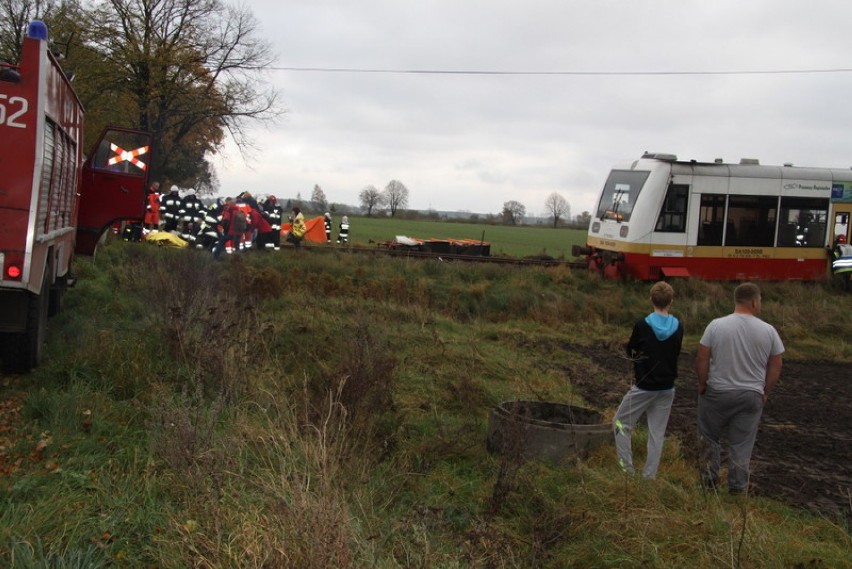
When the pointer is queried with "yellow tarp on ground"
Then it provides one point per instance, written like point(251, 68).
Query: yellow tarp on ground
point(166, 239)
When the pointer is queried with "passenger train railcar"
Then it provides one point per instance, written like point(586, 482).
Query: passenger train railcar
point(660, 217)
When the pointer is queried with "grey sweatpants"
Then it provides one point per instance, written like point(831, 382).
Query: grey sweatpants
point(657, 405)
point(739, 413)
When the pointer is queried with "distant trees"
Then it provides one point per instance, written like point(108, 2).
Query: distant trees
point(583, 219)
point(318, 198)
point(557, 208)
point(395, 196)
point(371, 198)
point(513, 212)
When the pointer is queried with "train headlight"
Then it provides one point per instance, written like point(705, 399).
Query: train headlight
point(623, 231)
point(596, 226)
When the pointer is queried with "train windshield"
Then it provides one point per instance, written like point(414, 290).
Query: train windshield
point(620, 193)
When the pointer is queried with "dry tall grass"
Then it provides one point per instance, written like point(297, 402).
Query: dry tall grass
point(330, 411)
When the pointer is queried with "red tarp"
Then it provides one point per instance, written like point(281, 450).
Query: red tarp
point(315, 233)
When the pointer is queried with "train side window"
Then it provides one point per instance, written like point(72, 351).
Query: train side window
point(711, 216)
point(751, 221)
point(673, 213)
point(802, 222)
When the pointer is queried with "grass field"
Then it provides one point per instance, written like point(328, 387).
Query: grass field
point(513, 241)
point(308, 410)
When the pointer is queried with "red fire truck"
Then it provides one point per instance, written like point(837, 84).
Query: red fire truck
point(54, 202)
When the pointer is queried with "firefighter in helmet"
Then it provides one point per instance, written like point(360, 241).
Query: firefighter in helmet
point(343, 235)
point(191, 213)
point(327, 221)
point(273, 213)
point(170, 208)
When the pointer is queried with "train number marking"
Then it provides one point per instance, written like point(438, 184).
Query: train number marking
point(749, 253)
point(13, 110)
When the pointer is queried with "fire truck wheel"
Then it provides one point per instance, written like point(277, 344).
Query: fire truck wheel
point(37, 324)
point(57, 296)
point(22, 352)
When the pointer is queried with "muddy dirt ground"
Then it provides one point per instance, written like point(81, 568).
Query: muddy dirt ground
point(803, 454)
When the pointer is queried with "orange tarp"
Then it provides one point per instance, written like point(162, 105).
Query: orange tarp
point(315, 233)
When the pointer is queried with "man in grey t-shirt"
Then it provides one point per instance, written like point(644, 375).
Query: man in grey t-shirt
point(738, 365)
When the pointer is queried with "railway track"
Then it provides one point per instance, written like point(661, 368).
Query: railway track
point(448, 257)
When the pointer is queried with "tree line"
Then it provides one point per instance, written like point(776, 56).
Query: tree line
point(556, 210)
point(393, 199)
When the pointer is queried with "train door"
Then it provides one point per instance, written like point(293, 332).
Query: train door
point(672, 217)
point(841, 212)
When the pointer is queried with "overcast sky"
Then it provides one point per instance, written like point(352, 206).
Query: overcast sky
point(471, 142)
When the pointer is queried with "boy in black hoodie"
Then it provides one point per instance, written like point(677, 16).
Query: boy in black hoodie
point(654, 347)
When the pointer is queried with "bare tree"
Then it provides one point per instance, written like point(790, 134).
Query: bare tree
point(557, 208)
point(371, 198)
point(396, 196)
point(15, 15)
point(318, 197)
point(191, 71)
point(513, 212)
point(207, 183)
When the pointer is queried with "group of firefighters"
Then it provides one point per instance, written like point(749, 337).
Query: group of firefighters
point(230, 224)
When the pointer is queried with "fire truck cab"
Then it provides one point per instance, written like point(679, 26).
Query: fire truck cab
point(53, 201)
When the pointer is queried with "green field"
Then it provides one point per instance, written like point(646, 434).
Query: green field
point(307, 410)
point(513, 241)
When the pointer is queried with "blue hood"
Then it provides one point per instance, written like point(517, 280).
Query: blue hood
point(663, 326)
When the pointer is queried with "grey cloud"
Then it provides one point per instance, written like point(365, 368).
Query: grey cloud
point(472, 141)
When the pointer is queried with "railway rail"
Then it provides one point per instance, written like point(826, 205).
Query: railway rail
point(449, 257)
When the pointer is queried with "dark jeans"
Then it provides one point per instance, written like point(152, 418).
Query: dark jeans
point(220, 244)
point(268, 240)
